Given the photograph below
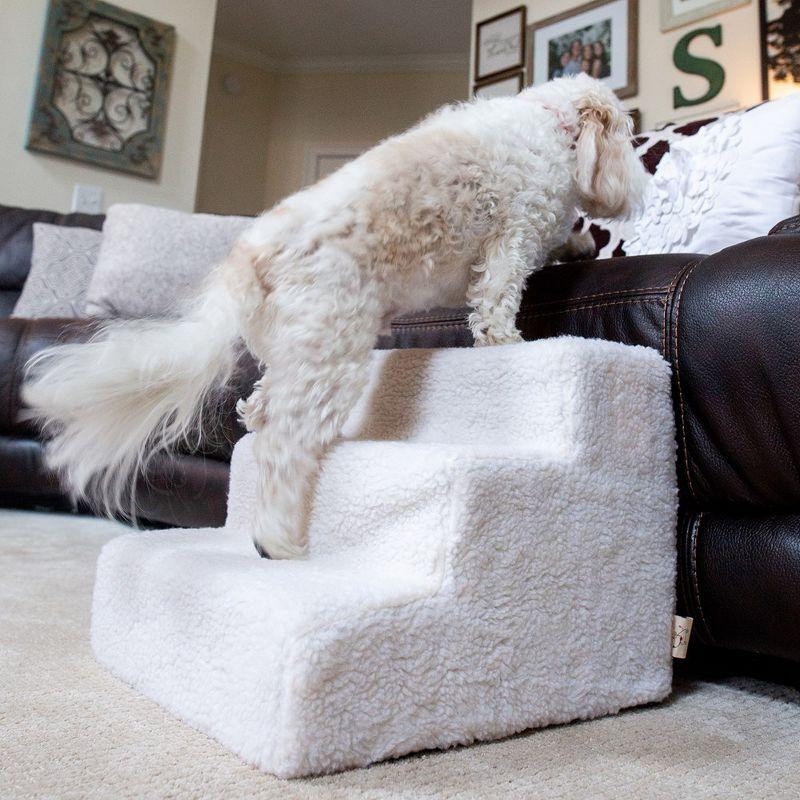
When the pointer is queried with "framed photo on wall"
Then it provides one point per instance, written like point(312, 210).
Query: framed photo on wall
point(322, 160)
point(504, 86)
point(636, 117)
point(500, 44)
point(675, 13)
point(101, 95)
point(780, 47)
point(598, 38)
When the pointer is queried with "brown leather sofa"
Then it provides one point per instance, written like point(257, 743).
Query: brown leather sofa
point(729, 325)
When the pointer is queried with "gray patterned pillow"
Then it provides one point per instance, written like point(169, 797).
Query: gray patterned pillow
point(62, 264)
point(152, 258)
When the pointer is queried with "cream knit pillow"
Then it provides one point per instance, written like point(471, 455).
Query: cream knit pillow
point(153, 258)
point(62, 263)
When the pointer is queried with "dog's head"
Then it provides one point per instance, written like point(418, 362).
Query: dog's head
point(609, 176)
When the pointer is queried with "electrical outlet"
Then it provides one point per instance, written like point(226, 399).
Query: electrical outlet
point(87, 199)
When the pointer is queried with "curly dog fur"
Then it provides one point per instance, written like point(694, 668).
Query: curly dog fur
point(463, 206)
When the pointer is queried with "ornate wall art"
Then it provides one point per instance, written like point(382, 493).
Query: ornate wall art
point(102, 91)
point(780, 47)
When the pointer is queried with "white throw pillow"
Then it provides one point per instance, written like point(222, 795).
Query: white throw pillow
point(153, 258)
point(62, 262)
point(731, 182)
point(716, 182)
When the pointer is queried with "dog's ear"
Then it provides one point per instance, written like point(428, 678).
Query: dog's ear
point(609, 175)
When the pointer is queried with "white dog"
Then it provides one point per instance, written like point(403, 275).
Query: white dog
point(464, 206)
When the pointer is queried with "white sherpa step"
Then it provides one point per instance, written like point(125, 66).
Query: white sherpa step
point(492, 549)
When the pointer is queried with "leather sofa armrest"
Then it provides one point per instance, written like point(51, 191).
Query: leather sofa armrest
point(19, 340)
point(733, 337)
point(787, 226)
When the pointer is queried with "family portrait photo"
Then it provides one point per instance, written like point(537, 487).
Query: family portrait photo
point(597, 38)
point(586, 50)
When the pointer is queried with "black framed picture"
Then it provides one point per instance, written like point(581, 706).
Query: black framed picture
point(502, 86)
point(500, 44)
point(780, 47)
point(636, 118)
point(101, 95)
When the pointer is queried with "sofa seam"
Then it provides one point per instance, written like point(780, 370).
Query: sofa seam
point(617, 293)
point(413, 325)
point(780, 228)
point(676, 344)
point(410, 321)
point(14, 383)
point(627, 301)
point(460, 325)
point(631, 298)
point(695, 583)
point(670, 294)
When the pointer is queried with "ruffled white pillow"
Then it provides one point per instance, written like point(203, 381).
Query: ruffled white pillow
point(716, 183)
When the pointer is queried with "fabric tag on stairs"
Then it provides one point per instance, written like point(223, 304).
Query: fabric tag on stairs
point(681, 631)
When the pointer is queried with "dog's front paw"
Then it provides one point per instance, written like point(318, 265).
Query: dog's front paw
point(252, 412)
point(492, 336)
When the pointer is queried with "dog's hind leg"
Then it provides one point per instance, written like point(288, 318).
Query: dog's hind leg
point(318, 357)
point(495, 291)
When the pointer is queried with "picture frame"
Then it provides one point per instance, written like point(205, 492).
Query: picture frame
point(506, 85)
point(677, 13)
point(600, 38)
point(780, 47)
point(323, 159)
point(500, 44)
point(102, 88)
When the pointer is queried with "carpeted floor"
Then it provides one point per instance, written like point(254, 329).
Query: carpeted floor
point(70, 730)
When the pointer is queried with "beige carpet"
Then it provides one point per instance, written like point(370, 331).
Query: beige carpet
point(70, 730)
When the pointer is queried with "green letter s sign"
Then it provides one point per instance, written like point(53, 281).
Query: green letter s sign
point(710, 70)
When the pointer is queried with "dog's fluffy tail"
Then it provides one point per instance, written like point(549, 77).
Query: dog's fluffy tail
point(133, 390)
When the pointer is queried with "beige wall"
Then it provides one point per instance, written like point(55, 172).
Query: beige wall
point(298, 111)
point(235, 139)
point(32, 179)
point(325, 108)
point(738, 54)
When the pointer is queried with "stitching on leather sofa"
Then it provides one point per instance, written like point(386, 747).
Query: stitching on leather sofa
point(413, 320)
point(670, 294)
point(676, 346)
point(621, 293)
point(415, 327)
point(695, 534)
point(616, 293)
point(628, 301)
point(14, 378)
point(791, 224)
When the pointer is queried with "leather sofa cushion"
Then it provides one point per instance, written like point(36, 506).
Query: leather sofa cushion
point(734, 340)
point(181, 490)
point(19, 340)
point(22, 338)
point(738, 579)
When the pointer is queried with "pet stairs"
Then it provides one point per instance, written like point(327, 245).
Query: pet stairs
point(491, 549)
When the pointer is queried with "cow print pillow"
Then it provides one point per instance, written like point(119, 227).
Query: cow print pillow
point(610, 236)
